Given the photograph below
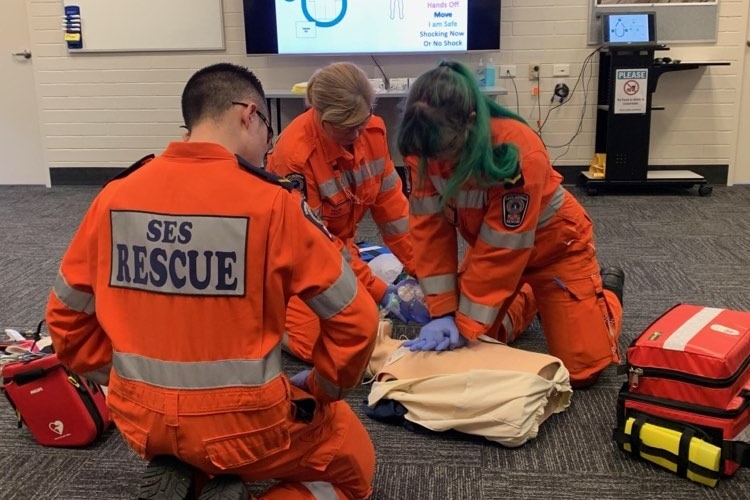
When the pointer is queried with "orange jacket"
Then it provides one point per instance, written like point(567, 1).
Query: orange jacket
point(507, 227)
point(179, 275)
point(341, 186)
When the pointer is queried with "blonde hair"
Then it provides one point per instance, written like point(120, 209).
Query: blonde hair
point(341, 93)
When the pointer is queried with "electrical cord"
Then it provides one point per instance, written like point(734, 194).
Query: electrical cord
point(385, 78)
point(513, 81)
point(582, 80)
point(586, 61)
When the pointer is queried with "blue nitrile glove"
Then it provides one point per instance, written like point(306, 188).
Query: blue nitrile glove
point(300, 380)
point(438, 335)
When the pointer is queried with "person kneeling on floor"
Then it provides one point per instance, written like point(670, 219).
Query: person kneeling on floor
point(178, 278)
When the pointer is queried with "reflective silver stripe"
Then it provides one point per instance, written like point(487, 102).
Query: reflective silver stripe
point(198, 374)
point(336, 297)
point(331, 389)
point(552, 207)
point(510, 335)
point(502, 239)
point(368, 170)
point(285, 341)
point(472, 198)
point(439, 183)
point(389, 182)
point(99, 376)
point(73, 299)
point(346, 254)
point(442, 283)
point(328, 188)
point(427, 205)
point(690, 328)
point(477, 312)
point(395, 227)
point(321, 490)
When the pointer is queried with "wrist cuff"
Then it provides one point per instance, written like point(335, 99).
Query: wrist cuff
point(450, 314)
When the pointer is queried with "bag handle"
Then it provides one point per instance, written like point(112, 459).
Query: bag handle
point(737, 451)
point(27, 376)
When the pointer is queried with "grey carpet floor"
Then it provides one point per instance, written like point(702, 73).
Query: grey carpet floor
point(674, 246)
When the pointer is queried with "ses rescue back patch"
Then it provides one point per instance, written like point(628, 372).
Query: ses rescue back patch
point(179, 254)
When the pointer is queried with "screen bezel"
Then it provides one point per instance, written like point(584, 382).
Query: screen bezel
point(651, 27)
point(483, 32)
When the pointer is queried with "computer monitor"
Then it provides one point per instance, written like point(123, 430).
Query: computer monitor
point(629, 28)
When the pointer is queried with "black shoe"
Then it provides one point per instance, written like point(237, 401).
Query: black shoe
point(166, 478)
point(225, 488)
point(613, 279)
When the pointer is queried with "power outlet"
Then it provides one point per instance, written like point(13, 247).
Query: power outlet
point(534, 69)
point(507, 71)
point(561, 70)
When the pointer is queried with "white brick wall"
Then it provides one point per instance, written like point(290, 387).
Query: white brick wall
point(108, 110)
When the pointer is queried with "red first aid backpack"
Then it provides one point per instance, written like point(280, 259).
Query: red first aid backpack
point(686, 404)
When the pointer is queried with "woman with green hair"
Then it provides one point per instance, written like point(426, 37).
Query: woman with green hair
point(480, 171)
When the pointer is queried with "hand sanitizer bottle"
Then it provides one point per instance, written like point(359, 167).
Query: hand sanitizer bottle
point(489, 74)
point(481, 73)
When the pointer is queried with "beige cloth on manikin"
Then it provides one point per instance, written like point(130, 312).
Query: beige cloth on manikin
point(486, 388)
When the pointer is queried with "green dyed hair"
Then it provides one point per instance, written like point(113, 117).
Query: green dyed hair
point(438, 110)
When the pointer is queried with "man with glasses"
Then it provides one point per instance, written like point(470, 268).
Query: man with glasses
point(174, 290)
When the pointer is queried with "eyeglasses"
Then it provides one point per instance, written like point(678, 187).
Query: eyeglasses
point(262, 117)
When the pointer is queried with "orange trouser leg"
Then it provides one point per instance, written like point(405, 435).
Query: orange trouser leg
point(514, 320)
point(302, 329)
point(303, 491)
point(581, 322)
point(334, 447)
point(520, 314)
point(333, 450)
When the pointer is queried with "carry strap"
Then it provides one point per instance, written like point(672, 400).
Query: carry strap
point(27, 376)
point(681, 459)
point(737, 451)
point(38, 332)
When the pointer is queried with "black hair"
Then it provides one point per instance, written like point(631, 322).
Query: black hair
point(211, 90)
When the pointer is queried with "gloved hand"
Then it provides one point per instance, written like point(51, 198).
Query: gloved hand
point(300, 380)
point(438, 335)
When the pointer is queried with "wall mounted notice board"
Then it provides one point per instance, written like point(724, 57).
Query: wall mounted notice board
point(150, 25)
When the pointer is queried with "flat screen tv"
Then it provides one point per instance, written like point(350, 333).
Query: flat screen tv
point(330, 27)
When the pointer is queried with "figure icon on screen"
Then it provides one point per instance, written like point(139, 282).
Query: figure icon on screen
point(400, 5)
point(619, 29)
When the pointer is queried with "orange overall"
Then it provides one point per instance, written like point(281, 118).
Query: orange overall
point(341, 186)
point(181, 284)
point(527, 230)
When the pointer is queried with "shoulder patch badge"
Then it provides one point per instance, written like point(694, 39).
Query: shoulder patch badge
point(313, 217)
point(298, 183)
point(514, 209)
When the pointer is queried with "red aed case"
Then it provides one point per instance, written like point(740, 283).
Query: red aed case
point(692, 354)
point(58, 407)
